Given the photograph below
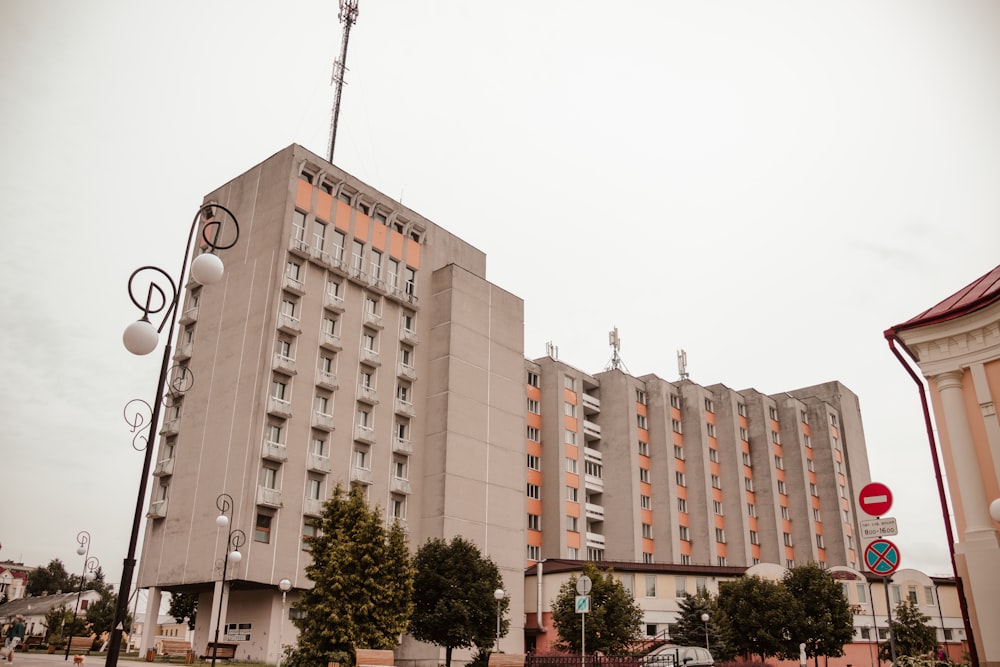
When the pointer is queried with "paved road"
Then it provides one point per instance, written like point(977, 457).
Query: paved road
point(59, 658)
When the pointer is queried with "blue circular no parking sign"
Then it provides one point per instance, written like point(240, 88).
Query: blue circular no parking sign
point(882, 557)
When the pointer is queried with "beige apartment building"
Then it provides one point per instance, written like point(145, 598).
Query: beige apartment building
point(354, 341)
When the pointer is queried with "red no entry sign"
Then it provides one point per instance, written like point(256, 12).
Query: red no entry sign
point(875, 499)
point(882, 557)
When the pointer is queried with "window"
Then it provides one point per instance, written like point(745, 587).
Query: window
point(751, 509)
point(862, 593)
point(640, 421)
point(675, 401)
point(313, 488)
point(645, 502)
point(534, 522)
point(647, 531)
point(675, 424)
point(643, 448)
point(720, 535)
point(644, 475)
point(298, 225)
point(929, 594)
point(402, 430)
point(808, 441)
point(779, 464)
point(813, 490)
point(533, 434)
point(364, 418)
point(279, 389)
point(571, 465)
point(572, 494)
point(775, 438)
point(411, 281)
point(710, 428)
point(679, 478)
point(746, 460)
point(270, 477)
point(361, 458)
point(318, 446)
point(308, 533)
point(403, 393)
point(741, 409)
point(683, 532)
point(680, 586)
point(819, 541)
point(784, 512)
point(569, 383)
point(376, 264)
point(534, 462)
point(534, 491)
point(338, 243)
point(911, 595)
point(640, 397)
point(678, 452)
point(748, 483)
point(275, 433)
point(700, 584)
point(773, 413)
point(716, 482)
point(817, 517)
point(709, 405)
point(781, 487)
point(896, 594)
point(294, 271)
point(262, 529)
point(371, 306)
point(368, 341)
point(358, 257)
point(322, 404)
point(682, 505)
point(754, 539)
point(408, 321)
point(788, 539)
point(744, 434)
point(319, 235)
point(283, 348)
point(570, 410)
point(533, 406)
point(573, 523)
point(650, 586)
point(290, 307)
point(397, 507)
point(833, 420)
point(534, 552)
point(570, 438)
point(366, 377)
point(717, 507)
point(399, 468)
point(532, 379)
point(713, 455)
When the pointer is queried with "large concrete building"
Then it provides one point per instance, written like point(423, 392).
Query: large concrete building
point(354, 341)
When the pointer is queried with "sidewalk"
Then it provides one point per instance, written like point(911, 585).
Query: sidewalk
point(59, 658)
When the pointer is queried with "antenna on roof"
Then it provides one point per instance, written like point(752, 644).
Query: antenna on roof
point(615, 342)
point(682, 364)
point(348, 16)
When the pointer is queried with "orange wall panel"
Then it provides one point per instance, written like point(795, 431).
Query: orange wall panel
point(534, 477)
point(572, 509)
point(534, 392)
point(395, 245)
point(647, 545)
point(569, 396)
point(572, 424)
point(572, 479)
point(379, 232)
point(534, 448)
point(324, 206)
point(342, 219)
point(534, 506)
point(646, 516)
point(534, 420)
point(535, 538)
point(641, 409)
point(572, 451)
point(412, 254)
point(303, 195)
point(361, 226)
point(573, 539)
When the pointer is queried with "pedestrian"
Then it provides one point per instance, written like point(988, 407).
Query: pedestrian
point(15, 635)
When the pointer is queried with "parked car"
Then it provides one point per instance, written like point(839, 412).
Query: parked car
point(678, 656)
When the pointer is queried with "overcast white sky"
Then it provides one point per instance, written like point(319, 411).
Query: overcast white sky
point(767, 185)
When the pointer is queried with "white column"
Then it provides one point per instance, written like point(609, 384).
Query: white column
point(216, 601)
point(148, 639)
point(969, 483)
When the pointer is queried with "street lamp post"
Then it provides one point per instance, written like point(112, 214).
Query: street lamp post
point(499, 594)
point(234, 540)
point(704, 619)
point(140, 338)
point(871, 655)
point(90, 565)
point(284, 585)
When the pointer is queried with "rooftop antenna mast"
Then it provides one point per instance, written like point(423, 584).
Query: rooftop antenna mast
point(348, 16)
point(616, 362)
point(682, 364)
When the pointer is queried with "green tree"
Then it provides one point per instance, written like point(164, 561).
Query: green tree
point(362, 584)
point(759, 615)
point(822, 617)
point(453, 602)
point(690, 629)
point(53, 578)
point(614, 621)
point(910, 632)
point(58, 621)
point(101, 614)
point(184, 608)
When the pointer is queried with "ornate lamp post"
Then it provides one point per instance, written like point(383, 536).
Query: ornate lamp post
point(235, 539)
point(90, 565)
point(499, 594)
point(141, 337)
point(284, 585)
point(704, 619)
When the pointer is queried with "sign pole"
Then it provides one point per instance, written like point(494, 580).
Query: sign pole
point(888, 613)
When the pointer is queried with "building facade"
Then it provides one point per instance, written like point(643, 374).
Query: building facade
point(354, 341)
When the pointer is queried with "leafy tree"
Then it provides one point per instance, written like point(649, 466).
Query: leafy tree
point(453, 598)
point(690, 629)
point(184, 608)
point(53, 578)
point(58, 622)
point(910, 632)
point(362, 584)
point(101, 614)
point(759, 613)
point(822, 617)
point(614, 621)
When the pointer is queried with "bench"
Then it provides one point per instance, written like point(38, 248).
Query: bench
point(374, 657)
point(221, 650)
point(81, 643)
point(169, 648)
point(30, 642)
point(506, 660)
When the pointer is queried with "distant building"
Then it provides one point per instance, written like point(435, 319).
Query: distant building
point(13, 580)
point(353, 341)
point(35, 608)
point(956, 345)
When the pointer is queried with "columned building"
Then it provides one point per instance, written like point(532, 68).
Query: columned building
point(956, 345)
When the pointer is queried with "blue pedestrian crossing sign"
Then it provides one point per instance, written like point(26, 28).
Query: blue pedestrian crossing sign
point(882, 557)
point(583, 604)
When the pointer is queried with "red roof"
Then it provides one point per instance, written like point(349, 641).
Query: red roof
point(978, 294)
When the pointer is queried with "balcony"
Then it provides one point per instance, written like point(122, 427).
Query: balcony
point(296, 245)
point(189, 316)
point(268, 497)
point(312, 507)
point(279, 407)
point(334, 302)
point(183, 351)
point(323, 421)
point(370, 356)
point(407, 372)
point(289, 325)
point(327, 380)
point(377, 284)
point(164, 468)
point(409, 336)
point(591, 404)
point(362, 475)
point(591, 431)
point(371, 319)
point(318, 463)
point(400, 485)
point(171, 426)
point(330, 341)
point(402, 445)
point(367, 395)
point(284, 364)
point(274, 451)
point(593, 483)
point(293, 285)
point(364, 433)
point(335, 260)
point(594, 512)
point(157, 509)
point(405, 408)
point(591, 454)
point(595, 540)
